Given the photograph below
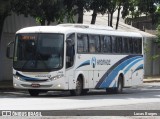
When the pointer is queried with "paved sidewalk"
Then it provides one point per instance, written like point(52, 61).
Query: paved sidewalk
point(151, 79)
point(8, 84)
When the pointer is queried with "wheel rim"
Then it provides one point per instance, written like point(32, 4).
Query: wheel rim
point(119, 86)
point(78, 87)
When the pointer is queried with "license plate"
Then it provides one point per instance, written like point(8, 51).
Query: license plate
point(35, 85)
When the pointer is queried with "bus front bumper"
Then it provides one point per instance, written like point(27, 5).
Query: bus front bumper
point(58, 84)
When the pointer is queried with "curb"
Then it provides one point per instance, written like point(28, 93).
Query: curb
point(7, 88)
point(151, 81)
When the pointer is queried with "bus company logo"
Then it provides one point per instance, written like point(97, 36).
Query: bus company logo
point(93, 62)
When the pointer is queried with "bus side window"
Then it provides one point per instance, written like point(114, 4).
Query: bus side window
point(82, 43)
point(131, 45)
point(114, 45)
point(140, 46)
point(125, 45)
point(102, 43)
point(70, 50)
point(135, 46)
point(98, 46)
point(92, 44)
point(108, 44)
point(119, 44)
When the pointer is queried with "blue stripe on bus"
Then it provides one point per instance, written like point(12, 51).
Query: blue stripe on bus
point(139, 68)
point(129, 67)
point(110, 75)
point(84, 64)
point(28, 78)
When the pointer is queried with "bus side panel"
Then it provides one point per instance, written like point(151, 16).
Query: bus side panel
point(85, 79)
point(137, 75)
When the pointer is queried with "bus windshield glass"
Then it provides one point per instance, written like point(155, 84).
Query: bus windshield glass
point(38, 52)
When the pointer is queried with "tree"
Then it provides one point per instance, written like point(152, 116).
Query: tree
point(125, 5)
point(111, 10)
point(41, 10)
point(96, 6)
point(4, 12)
point(80, 10)
point(78, 7)
point(158, 26)
point(119, 5)
point(70, 10)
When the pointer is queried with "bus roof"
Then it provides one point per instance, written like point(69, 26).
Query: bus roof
point(78, 28)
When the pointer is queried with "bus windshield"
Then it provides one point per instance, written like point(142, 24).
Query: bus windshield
point(38, 52)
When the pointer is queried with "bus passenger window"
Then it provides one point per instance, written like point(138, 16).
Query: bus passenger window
point(130, 45)
point(82, 43)
point(119, 44)
point(94, 43)
point(135, 45)
point(140, 46)
point(114, 45)
point(92, 48)
point(125, 45)
point(107, 44)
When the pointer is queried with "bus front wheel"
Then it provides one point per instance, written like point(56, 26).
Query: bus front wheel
point(79, 87)
point(33, 92)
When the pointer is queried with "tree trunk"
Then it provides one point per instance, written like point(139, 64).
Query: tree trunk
point(108, 19)
point(119, 8)
point(42, 22)
point(111, 19)
point(94, 15)
point(2, 18)
point(48, 23)
point(80, 14)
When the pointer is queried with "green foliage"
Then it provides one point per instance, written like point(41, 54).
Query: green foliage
point(155, 57)
point(69, 10)
point(158, 35)
point(5, 9)
point(41, 10)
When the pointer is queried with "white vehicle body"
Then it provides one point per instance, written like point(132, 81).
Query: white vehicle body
point(98, 70)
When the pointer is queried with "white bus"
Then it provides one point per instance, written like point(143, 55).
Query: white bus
point(76, 57)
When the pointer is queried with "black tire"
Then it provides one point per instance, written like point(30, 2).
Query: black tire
point(110, 90)
point(33, 92)
point(79, 87)
point(119, 88)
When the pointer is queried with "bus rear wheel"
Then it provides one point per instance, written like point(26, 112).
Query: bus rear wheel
point(33, 92)
point(119, 88)
point(79, 87)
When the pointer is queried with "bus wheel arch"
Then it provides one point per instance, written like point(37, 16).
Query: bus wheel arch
point(119, 86)
point(79, 86)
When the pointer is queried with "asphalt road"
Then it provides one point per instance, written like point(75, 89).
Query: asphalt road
point(145, 97)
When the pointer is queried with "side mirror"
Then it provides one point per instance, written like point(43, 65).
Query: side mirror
point(8, 53)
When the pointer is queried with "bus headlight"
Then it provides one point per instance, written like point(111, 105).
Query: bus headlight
point(18, 78)
point(56, 77)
